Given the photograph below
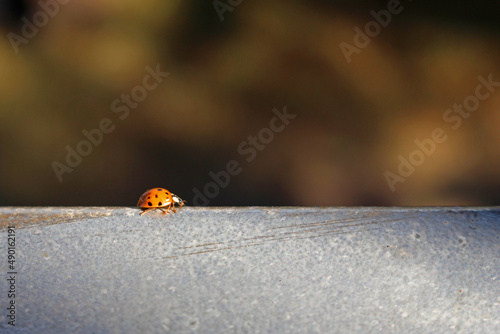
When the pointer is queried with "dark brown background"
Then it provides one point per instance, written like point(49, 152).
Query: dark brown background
point(353, 119)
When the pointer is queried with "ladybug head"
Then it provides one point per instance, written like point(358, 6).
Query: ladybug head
point(178, 200)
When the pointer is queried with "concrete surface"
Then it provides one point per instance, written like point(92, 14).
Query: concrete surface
point(253, 270)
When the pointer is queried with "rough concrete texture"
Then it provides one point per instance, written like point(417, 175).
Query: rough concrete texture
point(254, 270)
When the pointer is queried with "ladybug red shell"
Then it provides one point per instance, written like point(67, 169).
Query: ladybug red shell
point(159, 198)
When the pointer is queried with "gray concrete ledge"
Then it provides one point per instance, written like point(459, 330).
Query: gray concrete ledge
point(253, 270)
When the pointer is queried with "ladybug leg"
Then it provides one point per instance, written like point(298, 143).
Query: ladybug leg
point(143, 212)
point(171, 208)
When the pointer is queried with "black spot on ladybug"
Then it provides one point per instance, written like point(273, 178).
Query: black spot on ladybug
point(149, 197)
point(156, 196)
point(159, 203)
point(150, 204)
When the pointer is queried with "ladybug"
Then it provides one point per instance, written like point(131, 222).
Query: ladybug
point(159, 198)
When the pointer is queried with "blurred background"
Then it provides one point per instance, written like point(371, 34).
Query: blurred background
point(67, 65)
